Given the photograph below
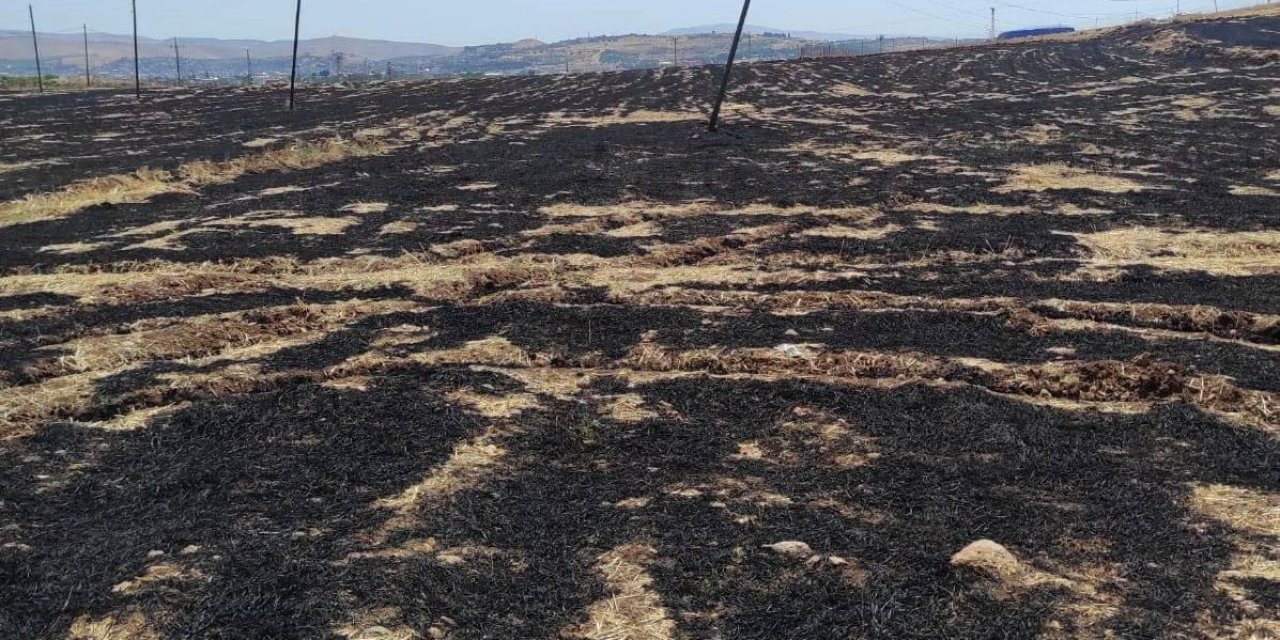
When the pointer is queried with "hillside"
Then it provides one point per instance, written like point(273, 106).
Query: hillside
point(105, 48)
point(112, 55)
point(976, 343)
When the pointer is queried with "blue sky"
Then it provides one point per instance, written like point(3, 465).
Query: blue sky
point(483, 21)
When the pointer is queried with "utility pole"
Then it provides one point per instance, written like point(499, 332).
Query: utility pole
point(293, 73)
point(248, 65)
point(36, 43)
point(728, 67)
point(882, 43)
point(88, 80)
point(993, 23)
point(177, 61)
point(675, 51)
point(137, 70)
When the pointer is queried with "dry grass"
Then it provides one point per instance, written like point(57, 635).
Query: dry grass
point(856, 233)
point(133, 626)
point(879, 155)
point(135, 187)
point(637, 230)
point(469, 464)
point(634, 611)
point(1248, 510)
point(629, 210)
point(1250, 190)
point(258, 143)
point(495, 406)
point(1227, 253)
point(365, 207)
point(627, 407)
point(72, 248)
point(295, 221)
point(1047, 177)
point(618, 117)
point(986, 209)
point(847, 90)
point(1208, 319)
point(1168, 41)
point(200, 336)
point(1041, 134)
point(397, 227)
point(6, 167)
point(143, 184)
point(67, 377)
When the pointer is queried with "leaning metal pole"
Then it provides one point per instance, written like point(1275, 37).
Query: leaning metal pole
point(728, 68)
point(35, 42)
point(293, 75)
point(137, 73)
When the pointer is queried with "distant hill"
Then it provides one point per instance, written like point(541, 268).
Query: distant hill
point(107, 48)
point(726, 27)
point(218, 59)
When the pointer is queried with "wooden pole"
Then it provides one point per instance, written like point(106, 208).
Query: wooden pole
point(728, 67)
point(177, 61)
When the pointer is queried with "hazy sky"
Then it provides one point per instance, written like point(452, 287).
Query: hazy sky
point(457, 22)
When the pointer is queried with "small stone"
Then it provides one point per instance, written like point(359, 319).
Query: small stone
point(792, 332)
point(790, 548)
point(790, 350)
point(154, 553)
point(837, 561)
point(438, 633)
point(987, 557)
point(190, 549)
point(373, 633)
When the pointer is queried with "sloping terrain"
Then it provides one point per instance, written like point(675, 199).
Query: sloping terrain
point(542, 358)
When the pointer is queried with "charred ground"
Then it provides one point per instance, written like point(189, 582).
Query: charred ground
point(539, 357)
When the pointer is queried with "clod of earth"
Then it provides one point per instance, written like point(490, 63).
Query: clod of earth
point(988, 558)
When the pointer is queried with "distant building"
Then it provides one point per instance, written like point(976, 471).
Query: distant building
point(1030, 33)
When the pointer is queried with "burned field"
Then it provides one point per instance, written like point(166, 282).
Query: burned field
point(541, 358)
